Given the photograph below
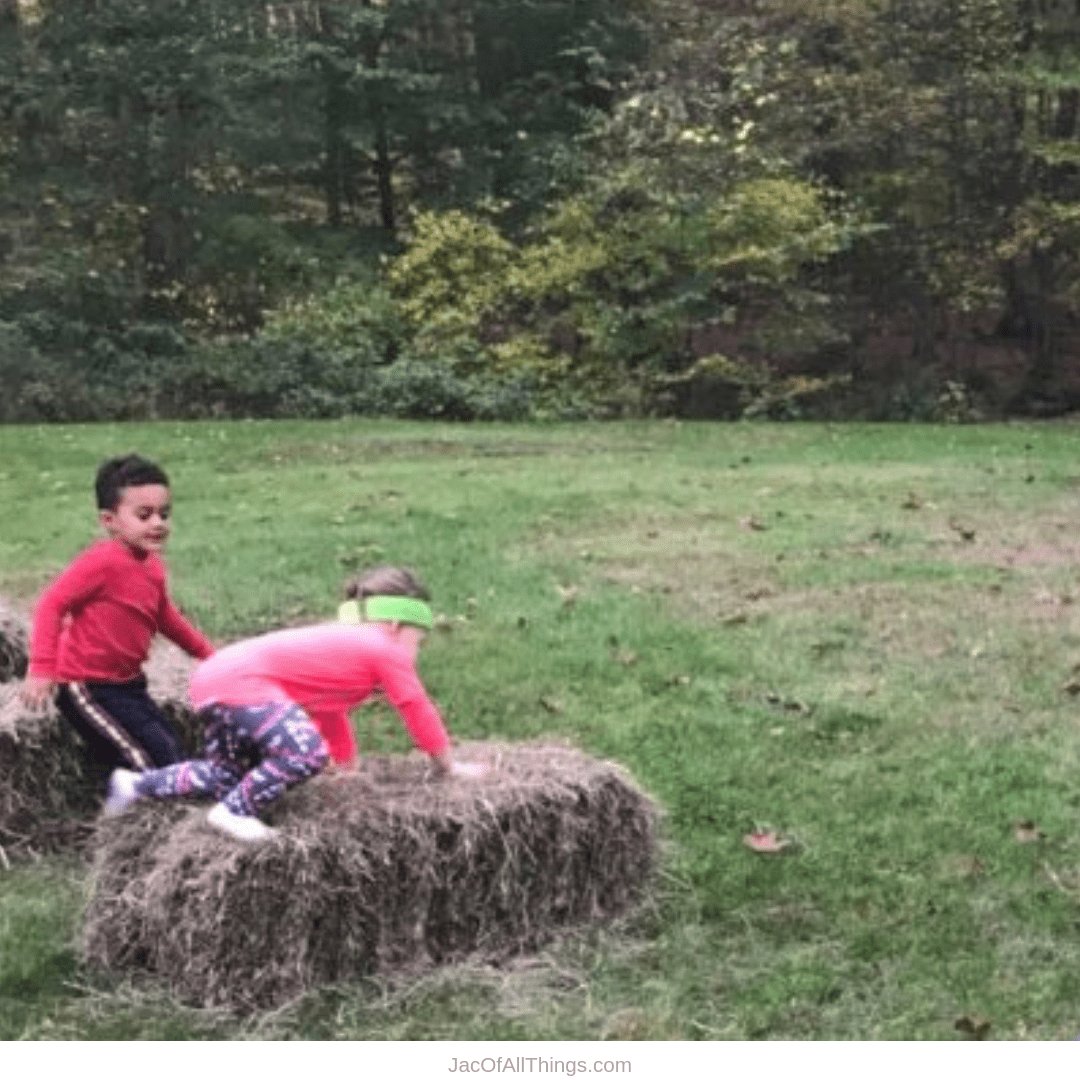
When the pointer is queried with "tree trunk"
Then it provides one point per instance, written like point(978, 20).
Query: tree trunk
point(334, 149)
point(384, 172)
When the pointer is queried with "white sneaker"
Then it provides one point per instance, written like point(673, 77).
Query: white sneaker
point(239, 826)
point(122, 792)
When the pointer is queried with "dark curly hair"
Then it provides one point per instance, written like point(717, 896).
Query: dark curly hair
point(118, 473)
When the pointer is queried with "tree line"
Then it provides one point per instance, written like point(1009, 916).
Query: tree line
point(512, 208)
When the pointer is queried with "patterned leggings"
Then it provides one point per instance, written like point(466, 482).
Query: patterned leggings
point(252, 754)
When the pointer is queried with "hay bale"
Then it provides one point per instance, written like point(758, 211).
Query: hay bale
point(48, 791)
point(381, 869)
point(14, 643)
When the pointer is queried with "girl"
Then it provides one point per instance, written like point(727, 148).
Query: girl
point(277, 706)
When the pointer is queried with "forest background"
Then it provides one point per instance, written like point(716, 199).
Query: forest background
point(523, 208)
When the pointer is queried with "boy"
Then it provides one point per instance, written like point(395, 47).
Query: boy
point(94, 624)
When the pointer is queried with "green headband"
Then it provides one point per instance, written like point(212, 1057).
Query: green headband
point(399, 609)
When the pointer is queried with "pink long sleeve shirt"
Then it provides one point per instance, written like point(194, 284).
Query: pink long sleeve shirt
point(327, 670)
point(96, 621)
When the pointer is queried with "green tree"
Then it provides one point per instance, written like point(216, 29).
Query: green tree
point(955, 126)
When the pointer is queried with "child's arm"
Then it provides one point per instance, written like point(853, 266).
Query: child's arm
point(410, 700)
point(334, 726)
point(177, 629)
point(74, 586)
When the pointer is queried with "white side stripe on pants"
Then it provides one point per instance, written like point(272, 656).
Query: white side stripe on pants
point(109, 727)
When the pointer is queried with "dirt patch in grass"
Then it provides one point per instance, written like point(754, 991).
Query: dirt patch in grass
point(691, 562)
point(1020, 555)
point(914, 625)
point(348, 450)
point(708, 571)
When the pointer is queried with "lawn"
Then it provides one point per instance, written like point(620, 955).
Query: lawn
point(860, 637)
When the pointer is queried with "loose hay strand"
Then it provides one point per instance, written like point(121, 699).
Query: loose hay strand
point(382, 869)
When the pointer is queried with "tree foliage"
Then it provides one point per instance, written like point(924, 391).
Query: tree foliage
point(590, 199)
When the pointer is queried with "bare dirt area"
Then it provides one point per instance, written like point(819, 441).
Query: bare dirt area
point(690, 561)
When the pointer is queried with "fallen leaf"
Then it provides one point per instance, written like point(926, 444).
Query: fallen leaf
point(965, 866)
point(1027, 832)
point(553, 705)
point(973, 1027)
point(788, 704)
point(912, 502)
point(569, 594)
point(751, 524)
point(766, 843)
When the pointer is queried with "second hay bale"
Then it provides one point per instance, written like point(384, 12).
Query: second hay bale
point(14, 643)
point(376, 870)
point(49, 790)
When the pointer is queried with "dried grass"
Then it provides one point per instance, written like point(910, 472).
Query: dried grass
point(48, 791)
point(14, 642)
point(384, 869)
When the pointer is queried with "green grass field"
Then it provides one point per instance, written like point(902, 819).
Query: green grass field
point(861, 636)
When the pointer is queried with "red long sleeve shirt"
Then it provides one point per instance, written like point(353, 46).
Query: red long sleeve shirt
point(96, 621)
point(327, 670)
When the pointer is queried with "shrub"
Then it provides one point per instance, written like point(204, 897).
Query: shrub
point(420, 388)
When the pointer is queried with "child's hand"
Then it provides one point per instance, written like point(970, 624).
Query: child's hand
point(36, 692)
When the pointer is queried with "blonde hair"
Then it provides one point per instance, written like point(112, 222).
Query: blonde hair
point(387, 581)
